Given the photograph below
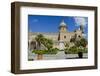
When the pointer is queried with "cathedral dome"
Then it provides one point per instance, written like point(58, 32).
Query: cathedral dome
point(62, 23)
point(63, 27)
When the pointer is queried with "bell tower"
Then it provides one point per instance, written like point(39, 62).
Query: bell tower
point(62, 34)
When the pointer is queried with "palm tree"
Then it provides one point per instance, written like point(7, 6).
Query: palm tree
point(39, 38)
point(48, 44)
point(82, 42)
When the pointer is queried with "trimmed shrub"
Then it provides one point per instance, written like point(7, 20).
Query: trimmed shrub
point(51, 51)
point(75, 50)
point(38, 51)
point(72, 50)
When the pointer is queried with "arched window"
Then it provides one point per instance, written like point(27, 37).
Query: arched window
point(33, 45)
point(64, 37)
point(79, 36)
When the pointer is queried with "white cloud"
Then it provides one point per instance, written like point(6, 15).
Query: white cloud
point(85, 35)
point(80, 21)
point(35, 20)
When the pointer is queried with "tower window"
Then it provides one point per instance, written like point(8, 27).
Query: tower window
point(79, 36)
point(64, 37)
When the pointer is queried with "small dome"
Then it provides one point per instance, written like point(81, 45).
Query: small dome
point(62, 23)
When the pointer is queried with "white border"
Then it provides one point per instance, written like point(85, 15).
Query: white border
point(25, 64)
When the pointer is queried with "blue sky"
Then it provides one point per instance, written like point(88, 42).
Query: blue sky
point(44, 23)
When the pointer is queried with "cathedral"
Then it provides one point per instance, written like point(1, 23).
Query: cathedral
point(59, 39)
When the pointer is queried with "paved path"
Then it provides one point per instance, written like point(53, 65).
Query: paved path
point(59, 55)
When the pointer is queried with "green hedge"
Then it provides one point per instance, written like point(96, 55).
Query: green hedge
point(72, 50)
point(51, 51)
point(75, 50)
point(38, 51)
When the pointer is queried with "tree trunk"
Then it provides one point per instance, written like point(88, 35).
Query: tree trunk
point(39, 56)
point(80, 54)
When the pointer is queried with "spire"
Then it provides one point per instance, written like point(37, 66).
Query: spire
point(82, 28)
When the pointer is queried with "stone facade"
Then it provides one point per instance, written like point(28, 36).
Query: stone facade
point(59, 39)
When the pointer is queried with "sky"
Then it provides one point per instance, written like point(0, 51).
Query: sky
point(47, 23)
